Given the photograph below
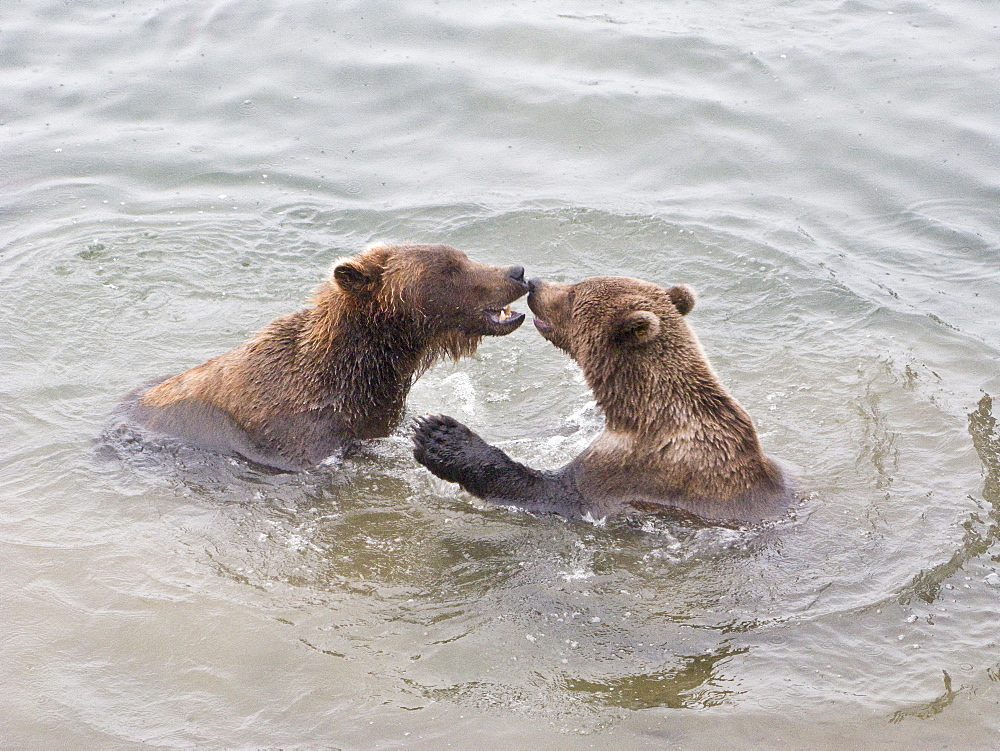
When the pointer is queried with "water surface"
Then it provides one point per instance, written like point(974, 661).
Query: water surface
point(824, 174)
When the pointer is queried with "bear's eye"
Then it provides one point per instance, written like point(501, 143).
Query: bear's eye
point(451, 269)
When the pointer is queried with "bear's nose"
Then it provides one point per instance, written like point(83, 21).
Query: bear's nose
point(516, 273)
point(533, 284)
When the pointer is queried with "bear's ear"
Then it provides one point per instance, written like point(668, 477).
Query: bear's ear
point(353, 277)
point(637, 328)
point(683, 298)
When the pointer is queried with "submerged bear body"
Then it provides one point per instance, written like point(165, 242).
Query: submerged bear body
point(675, 441)
point(315, 381)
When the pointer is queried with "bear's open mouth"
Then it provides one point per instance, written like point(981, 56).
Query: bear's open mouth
point(542, 325)
point(504, 319)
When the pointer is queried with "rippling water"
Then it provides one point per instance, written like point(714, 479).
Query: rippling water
point(174, 175)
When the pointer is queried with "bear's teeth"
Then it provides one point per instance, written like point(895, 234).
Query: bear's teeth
point(504, 314)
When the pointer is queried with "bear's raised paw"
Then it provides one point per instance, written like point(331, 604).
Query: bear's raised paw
point(449, 449)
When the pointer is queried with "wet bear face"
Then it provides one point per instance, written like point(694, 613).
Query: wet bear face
point(435, 284)
point(605, 317)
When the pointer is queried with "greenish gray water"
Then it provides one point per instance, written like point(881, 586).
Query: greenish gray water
point(824, 174)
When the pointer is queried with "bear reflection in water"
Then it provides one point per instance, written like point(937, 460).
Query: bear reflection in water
point(312, 382)
point(675, 441)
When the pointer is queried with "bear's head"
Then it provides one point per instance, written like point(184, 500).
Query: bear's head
point(630, 338)
point(433, 286)
point(602, 315)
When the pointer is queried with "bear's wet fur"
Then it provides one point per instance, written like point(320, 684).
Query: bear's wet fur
point(674, 442)
point(311, 383)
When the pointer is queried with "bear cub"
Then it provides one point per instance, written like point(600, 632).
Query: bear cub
point(674, 441)
point(313, 382)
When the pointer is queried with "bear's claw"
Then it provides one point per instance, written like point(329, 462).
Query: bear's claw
point(445, 446)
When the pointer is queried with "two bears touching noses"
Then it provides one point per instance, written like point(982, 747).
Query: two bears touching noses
point(314, 382)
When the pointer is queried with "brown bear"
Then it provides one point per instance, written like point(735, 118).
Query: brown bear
point(675, 441)
point(311, 383)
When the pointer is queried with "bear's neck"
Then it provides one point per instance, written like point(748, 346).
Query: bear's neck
point(658, 406)
point(366, 371)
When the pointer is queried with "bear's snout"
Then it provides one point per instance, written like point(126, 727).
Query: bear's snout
point(516, 273)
